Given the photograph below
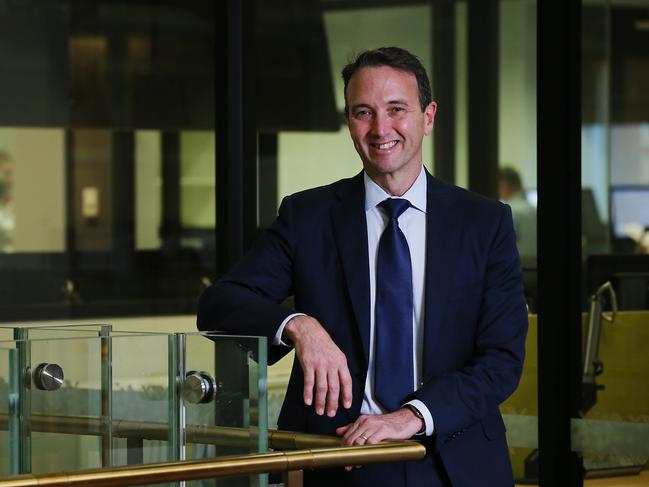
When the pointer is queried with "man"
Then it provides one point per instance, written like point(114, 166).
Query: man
point(510, 191)
point(441, 370)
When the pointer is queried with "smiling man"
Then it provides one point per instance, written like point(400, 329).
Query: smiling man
point(409, 315)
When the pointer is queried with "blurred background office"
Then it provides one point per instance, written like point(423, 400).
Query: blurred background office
point(511, 191)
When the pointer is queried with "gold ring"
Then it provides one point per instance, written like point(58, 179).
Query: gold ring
point(364, 437)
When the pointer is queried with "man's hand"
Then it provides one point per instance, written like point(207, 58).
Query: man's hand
point(370, 430)
point(324, 365)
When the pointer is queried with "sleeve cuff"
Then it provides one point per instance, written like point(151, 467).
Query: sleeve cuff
point(278, 336)
point(428, 419)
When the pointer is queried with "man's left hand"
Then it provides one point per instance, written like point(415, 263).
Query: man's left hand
point(370, 430)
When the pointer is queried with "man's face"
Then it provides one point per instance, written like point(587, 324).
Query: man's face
point(386, 122)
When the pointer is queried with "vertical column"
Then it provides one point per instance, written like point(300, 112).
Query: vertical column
point(483, 45)
point(236, 139)
point(106, 396)
point(559, 237)
point(123, 196)
point(176, 376)
point(20, 392)
point(444, 89)
point(171, 225)
point(268, 178)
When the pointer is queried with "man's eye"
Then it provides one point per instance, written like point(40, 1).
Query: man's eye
point(397, 109)
point(362, 114)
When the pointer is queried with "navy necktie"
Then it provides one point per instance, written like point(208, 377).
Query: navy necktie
point(393, 363)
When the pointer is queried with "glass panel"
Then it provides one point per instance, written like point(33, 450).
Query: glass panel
point(235, 420)
point(141, 409)
point(65, 389)
point(613, 436)
point(8, 413)
point(107, 400)
point(54, 331)
point(299, 148)
point(517, 188)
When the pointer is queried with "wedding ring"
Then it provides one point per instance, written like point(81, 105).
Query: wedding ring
point(364, 437)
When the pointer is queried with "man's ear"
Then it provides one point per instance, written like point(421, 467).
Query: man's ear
point(429, 117)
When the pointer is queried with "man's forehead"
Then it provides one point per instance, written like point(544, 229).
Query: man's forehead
point(382, 72)
point(383, 78)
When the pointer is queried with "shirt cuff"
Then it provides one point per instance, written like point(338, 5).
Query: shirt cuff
point(428, 418)
point(278, 336)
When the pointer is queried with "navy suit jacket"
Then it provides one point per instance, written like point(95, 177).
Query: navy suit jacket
point(474, 329)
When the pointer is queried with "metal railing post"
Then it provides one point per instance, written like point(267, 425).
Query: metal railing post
point(106, 395)
point(293, 478)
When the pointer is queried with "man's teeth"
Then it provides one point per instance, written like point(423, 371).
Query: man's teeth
point(387, 145)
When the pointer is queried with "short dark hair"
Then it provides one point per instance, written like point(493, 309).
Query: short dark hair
point(395, 58)
point(511, 178)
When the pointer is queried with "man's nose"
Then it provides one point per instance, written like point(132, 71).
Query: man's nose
point(380, 125)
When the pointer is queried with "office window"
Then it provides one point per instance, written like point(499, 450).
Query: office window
point(107, 164)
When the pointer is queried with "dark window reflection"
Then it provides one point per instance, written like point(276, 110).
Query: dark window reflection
point(107, 196)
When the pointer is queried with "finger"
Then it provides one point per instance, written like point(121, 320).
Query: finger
point(332, 394)
point(346, 387)
point(351, 433)
point(308, 386)
point(373, 440)
point(341, 431)
point(320, 391)
point(358, 426)
point(360, 440)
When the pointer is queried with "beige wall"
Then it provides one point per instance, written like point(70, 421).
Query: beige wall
point(517, 88)
point(148, 189)
point(38, 155)
point(197, 190)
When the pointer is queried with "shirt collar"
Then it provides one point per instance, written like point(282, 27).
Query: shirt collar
point(374, 194)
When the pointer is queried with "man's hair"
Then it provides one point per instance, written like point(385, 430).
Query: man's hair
point(511, 178)
point(396, 58)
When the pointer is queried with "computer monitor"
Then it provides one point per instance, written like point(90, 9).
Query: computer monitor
point(629, 275)
point(629, 209)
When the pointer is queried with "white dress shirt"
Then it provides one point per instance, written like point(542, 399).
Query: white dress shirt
point(412, 223)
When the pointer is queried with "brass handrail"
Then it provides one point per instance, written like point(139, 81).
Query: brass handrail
point(151, 430)
point(226, 466)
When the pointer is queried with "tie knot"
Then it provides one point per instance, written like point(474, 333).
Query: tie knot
point(394, 207)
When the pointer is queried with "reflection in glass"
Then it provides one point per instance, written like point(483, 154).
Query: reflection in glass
point(613, 434)
point(7, 215)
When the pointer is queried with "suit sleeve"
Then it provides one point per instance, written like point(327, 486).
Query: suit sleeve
point(458, 399)
point(247, 300)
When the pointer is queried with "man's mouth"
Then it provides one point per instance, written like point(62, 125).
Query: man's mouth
point(386, 145)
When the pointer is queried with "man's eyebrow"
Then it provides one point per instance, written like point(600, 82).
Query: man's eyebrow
point(398, 102)
point(360, 105)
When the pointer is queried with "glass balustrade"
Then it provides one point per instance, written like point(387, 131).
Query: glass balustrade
point(75, 397)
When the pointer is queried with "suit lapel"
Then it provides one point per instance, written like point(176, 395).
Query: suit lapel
point(350, 230)
point(442, 242)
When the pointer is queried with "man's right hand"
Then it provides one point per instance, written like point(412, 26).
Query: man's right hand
point(323, 364)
